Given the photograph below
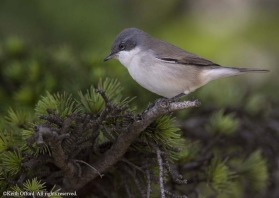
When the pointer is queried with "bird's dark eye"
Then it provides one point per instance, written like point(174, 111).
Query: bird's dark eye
point(122, 46)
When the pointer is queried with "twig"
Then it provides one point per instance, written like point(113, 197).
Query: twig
point(175, 196)
point(129, 194)
point(52, 118)
point(103, 94)
point(67, 123)
point(50, 137)
point(161, 172)
point(177, 178)
point(83, 162)
point(108, 106)
point(137, 182)
point(132, 164)
point(148, 181)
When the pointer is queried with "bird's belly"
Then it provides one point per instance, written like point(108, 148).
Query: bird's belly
point(164, 80)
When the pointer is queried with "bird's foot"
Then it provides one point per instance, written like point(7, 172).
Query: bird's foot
point(177, 97)
point(164, 101)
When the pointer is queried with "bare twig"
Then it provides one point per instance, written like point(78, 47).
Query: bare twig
point(108, 106)
point(177, 178)
point(133, 165)
point(127, 188)
point(148, 181)
point(137, 182)
point(67, 122)
point(174, 195)
point(52, 118)
point(161, 171)
point(83, 162)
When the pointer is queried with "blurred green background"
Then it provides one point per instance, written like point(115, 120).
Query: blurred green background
point(47, 45)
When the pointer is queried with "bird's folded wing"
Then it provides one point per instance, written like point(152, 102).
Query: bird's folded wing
point(197, 61)
point(172, 54)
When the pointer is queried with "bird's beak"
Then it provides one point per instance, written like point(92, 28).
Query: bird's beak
point(112, 55)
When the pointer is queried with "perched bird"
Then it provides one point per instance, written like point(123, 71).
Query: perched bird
point(163, 68)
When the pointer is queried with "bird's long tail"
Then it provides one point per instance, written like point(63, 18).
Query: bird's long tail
point(221, 72)
point(249, 70)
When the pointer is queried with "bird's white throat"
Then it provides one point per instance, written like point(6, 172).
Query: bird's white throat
point(126, 57)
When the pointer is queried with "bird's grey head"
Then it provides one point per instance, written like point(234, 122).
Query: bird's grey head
point(127, 40)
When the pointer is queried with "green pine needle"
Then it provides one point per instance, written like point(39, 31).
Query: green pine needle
point(36, 150)
point(255, 170)
point(220, 176)
point(222, 124)
point(112, 88)
point(61, 104)
point(55, 192)
point(11, 162)
point(165, 134)
point(19, 117)
point(16, 188)
point(92, 102)
point(4, 142)
point(10, 138)
point(27, 133)
point(34, 185)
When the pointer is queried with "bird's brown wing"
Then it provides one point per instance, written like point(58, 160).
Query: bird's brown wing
point(170, 53)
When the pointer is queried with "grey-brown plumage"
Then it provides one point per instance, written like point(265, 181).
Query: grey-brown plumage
point(163, 68)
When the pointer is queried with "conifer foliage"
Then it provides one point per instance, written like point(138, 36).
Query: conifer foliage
point(67, 140)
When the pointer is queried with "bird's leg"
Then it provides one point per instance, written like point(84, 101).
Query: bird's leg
point(151, 105)
point(177, 97)
point(169, 100)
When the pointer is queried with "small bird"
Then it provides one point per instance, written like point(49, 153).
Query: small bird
point(163, 68)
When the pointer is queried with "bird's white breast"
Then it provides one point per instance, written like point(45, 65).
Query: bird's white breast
point(165, 79)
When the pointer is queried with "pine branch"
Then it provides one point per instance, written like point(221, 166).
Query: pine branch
point(125, 139)
point(60, 159)
point(177, 178)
